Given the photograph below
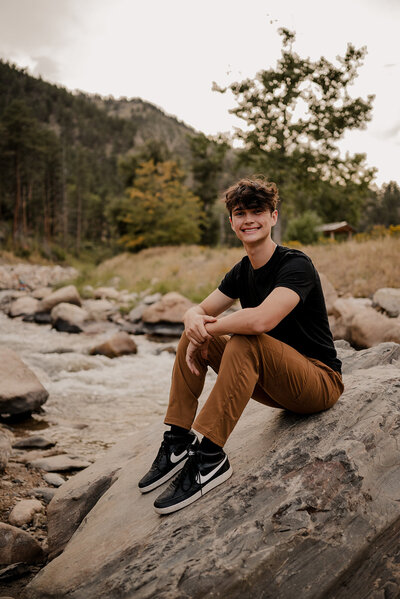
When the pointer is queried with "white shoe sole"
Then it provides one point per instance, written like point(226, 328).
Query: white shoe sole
point(211, 485)
point(164, 479)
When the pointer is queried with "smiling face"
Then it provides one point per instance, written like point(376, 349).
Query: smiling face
point(252, 224)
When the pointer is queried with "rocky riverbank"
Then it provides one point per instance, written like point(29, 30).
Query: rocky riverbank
point(80, 374)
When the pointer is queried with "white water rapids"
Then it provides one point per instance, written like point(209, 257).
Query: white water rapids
point(93, 401)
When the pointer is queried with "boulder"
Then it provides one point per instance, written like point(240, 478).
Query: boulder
point(99, 309)
point(5, 447)
point(119, 344)
point(64, 295)
point(369, 327)
point(23, 306)
point(68, 318)
point(388, 298)
point(18, 546)
point(170, 308)
point(59, 463)
point(342, 314)
point(23, 512)
point(312, 509)
point(329, 292)
point(106, 293)
point(20, 389)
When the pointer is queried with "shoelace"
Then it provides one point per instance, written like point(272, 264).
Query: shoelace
point(190, 469)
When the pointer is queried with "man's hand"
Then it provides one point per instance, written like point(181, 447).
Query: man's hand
point(195, 327)
point(191, 352)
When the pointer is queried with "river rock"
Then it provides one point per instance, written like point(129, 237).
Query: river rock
point(119, 344)
point(136, 313)
point(388, 298)
point(23, 306)
point(342, 314)
point(18, 546)
point(67, 295)
point(152, 299)
point(23, 512)
point(312, 509)
point(170, 308)
point(99, 309)
point(59, 463)
point(369, 327)
point(53, 479)
point(68, 318)
point(5, 447)
point(329, 292)
point(44, 493)
point(20, 389)
point(33, 442)
point(106, 293)
point(42, 292)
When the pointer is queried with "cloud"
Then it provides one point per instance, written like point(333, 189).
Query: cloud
point(390, 133)
point(46, 67)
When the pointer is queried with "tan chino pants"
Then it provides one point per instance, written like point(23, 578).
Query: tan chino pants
point(256, 366)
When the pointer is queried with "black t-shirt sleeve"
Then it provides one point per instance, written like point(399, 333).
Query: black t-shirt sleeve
point(298, 274)
point(230, 283)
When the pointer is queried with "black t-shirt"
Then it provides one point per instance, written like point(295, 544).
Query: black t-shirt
point(306, 328)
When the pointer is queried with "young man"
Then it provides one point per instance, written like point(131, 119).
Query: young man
point(278, 350)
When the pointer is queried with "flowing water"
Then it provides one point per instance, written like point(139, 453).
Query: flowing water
point(93, 401)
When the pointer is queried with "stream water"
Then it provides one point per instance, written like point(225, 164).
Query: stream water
point(93, 401)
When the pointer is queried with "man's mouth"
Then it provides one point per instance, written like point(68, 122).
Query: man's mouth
point(250, 229)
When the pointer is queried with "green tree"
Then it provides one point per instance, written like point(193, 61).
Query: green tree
point(206, 165)
point(389, 204)
point(303, 228)
point(295, 114)
point(159, 210)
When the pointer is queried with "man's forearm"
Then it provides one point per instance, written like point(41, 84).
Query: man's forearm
point(243, 322)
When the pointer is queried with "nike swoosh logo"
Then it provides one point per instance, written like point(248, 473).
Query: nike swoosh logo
point(203, 479)
point(176, 458)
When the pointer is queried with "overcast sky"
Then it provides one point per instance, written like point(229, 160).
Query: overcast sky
point(170, 51)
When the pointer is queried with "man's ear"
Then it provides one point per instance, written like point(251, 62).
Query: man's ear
point(230, 220)
point(274, 217)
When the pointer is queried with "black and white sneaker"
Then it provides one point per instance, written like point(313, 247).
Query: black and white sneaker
point(201, 473)
point(171, 458)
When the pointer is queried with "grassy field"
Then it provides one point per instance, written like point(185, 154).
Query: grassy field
point(358, 268)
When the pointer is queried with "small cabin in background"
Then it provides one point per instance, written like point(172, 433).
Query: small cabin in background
point(332, 229)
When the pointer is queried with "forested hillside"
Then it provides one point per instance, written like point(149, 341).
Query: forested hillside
point(67, 158)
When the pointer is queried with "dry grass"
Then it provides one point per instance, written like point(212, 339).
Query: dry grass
point(359, 268)
point(192, 270)
point(352, 267)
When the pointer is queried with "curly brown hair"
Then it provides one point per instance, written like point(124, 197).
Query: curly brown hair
point(252, 192)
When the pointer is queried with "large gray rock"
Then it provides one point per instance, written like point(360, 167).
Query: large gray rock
point(20, 389)
point(68, 295)
point(18, 546)
point(68, 318)
point(388, 298)
point(312, 510)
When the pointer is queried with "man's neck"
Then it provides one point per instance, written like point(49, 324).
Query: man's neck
point(260, 254)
